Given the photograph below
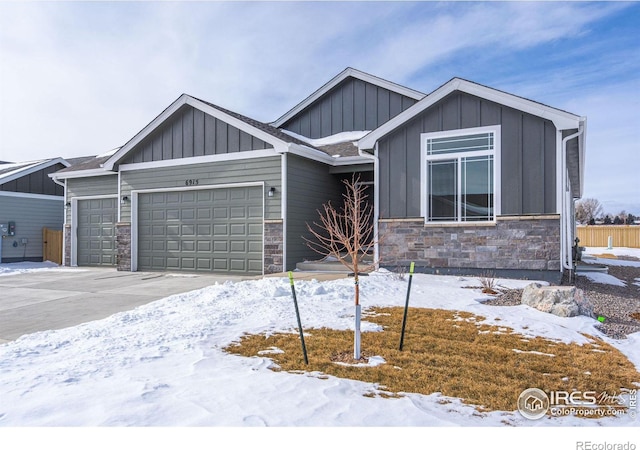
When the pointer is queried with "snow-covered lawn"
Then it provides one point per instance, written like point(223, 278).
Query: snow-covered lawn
point(162, 364)
point(609, 257)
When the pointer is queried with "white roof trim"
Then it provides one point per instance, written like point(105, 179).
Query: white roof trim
point(348, 72)
point(185, 99)
point(33, 196)
point(29, 169)
point(239, 156)
point(561, 119)
point(320, 156)
point(81, 174)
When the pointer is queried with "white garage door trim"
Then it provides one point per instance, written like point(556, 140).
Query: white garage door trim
point(134, 210)
point(74, 221)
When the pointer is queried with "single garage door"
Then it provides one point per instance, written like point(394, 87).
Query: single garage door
point(96, 232)
point(211, 230)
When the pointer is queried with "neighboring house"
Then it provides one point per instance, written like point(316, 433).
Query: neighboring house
point(465, 179)
point(30, 200)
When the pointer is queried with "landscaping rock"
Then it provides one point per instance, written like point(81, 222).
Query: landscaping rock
point(563, 301)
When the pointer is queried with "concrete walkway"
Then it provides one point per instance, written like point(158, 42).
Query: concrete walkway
point(65, 297)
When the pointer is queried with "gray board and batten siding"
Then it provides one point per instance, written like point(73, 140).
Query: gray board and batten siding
point(37, 182)
point(528, 156)
point(352, 105)
point(309, 186)
point(190, 132)
point(30, 216)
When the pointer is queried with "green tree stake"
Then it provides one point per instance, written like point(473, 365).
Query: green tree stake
point(406, 306)
point(295, 302)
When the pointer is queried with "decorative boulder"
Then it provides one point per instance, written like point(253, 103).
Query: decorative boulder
point(563, 301)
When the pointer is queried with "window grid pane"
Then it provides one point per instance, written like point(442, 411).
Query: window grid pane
point(460, 189)
point(477, 188)
point(443, 190)
point(459, 144)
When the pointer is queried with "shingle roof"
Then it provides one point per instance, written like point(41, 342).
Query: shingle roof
point(12, 167)
point(273, 131)
point(86, 163)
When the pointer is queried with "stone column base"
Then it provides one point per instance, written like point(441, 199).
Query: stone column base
point(123, 243)
point(273, 246)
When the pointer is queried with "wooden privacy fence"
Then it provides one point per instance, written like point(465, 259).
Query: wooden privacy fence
point(598, 235)
point(52, 245)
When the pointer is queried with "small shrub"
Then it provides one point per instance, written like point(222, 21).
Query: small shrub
point(488, 283)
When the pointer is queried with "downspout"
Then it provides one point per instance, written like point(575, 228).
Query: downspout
point(565, 247)
point(283, 198)
point(283, 208)
point(376, 199)
point(64, 218)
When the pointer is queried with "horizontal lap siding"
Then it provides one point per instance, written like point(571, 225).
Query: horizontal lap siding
point(528, 159)
point(30, 216)
point(190, 132)
point(353, 105)
point(90, 186)
point(208, 174)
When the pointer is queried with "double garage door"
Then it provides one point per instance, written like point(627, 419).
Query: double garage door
point(211, 230)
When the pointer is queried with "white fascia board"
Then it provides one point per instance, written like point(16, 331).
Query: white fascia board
point(185, 99)
point(348, 72)
point(240, 124)
point(317, 155)
point(561, 119)
point(36, 196)
point(251, 154)
point(26, 170)
point(582, 149)
point(81, 174)
point(155, 123)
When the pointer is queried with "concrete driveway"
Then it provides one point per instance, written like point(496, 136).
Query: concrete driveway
point(64, 297)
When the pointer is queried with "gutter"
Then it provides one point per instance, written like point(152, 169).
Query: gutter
point(567, 203)
point(376, 198)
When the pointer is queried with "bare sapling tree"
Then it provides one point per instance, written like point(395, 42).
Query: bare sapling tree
point(347, 235)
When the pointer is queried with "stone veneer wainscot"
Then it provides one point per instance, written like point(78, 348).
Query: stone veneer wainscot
point(512, 242)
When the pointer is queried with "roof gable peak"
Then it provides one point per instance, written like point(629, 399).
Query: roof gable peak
point(339, 78)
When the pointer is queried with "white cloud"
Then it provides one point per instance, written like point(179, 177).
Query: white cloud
point(82, 78)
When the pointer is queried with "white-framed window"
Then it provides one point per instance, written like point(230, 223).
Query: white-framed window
point(459, 174)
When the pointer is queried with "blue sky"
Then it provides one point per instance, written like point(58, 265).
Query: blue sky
point(80, 78)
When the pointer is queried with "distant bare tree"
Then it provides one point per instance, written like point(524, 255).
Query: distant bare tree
point(587, 209)
point(347, 235)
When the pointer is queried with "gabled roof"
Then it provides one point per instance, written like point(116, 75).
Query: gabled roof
point(13, 171)
point(561, 119)
point(348, 72)
point(261, 130)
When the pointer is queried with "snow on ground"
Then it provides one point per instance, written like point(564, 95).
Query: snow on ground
point(603, 278)
point(593, 253)
point(162, 364)
point(24, 267)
